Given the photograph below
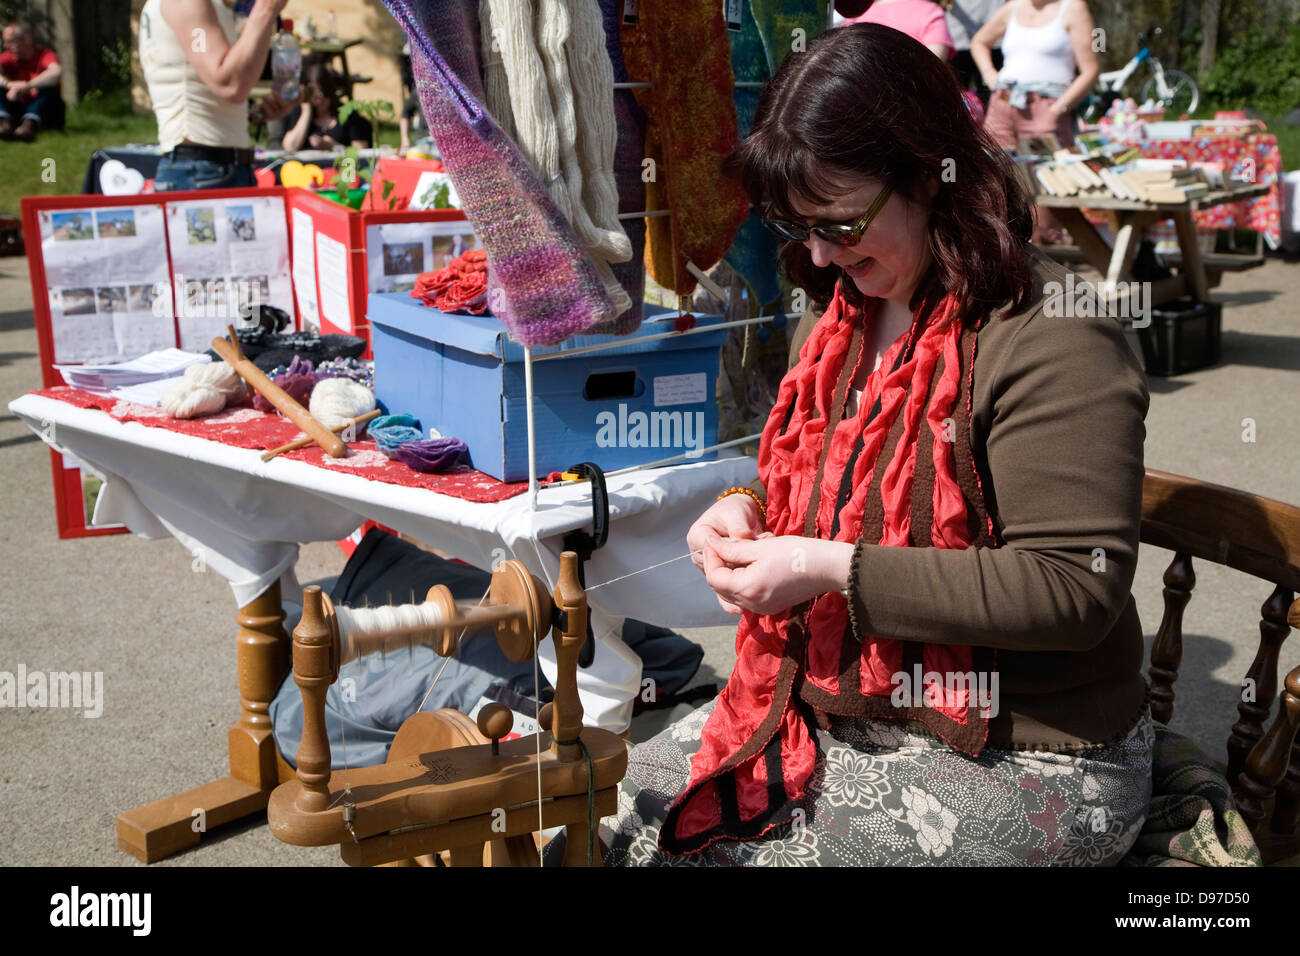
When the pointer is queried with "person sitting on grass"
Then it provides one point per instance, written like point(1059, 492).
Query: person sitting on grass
point(29, 75)
point(316, 124)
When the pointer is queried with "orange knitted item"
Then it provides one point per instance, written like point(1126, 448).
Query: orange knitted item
point(680, 47)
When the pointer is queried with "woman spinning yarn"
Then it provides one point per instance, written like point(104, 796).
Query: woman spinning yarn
point(938, 654)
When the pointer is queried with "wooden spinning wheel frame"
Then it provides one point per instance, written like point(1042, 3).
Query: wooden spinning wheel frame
point(450, 784)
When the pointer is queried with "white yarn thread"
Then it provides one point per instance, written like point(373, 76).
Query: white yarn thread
point(591, 76)
point(405, 620)
point(555, 26)
point(204, 390)
point(496, 82)
point(336, 401)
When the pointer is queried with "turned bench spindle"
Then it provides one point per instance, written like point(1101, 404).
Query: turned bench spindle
point(1261, 679)
point(1167, 650)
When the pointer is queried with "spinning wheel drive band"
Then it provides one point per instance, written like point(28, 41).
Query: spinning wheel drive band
point(513, 586)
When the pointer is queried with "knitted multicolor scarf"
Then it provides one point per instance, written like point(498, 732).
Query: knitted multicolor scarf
point(680, 47)
point(542, 284)
point(885, 475)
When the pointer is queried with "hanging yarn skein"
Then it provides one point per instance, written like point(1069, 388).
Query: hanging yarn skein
point(543, 285)
point(204, 390)
point(529, 64)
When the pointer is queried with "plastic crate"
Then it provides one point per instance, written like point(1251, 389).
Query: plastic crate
point(1184, 336)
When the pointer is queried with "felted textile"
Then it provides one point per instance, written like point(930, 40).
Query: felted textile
point(1192, 820)
point(542, 284)
point(884, 475)
point(754, 58)
point(628, 154)
point(241, 426)
point(680, 47)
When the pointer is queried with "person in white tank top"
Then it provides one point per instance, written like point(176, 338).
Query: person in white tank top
point(199, 71)
point(1047, 52)
point(1048, 65)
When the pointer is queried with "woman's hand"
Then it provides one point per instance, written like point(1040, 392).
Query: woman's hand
point(735, 516)
point(773, 574)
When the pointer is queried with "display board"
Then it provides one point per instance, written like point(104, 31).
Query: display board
point(115, 277)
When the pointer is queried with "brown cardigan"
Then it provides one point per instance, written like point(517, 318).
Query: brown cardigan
point(1057, 433)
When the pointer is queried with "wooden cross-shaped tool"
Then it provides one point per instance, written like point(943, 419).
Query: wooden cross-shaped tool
point(229, 349)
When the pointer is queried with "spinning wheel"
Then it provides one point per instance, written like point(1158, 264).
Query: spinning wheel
point(445, 787)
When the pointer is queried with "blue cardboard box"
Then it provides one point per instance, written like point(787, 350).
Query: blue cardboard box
point(464, 376)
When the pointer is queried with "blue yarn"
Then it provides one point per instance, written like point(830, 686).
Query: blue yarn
point(389, 431)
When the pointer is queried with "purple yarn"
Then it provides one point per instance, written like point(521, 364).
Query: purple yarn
point(431, 456)
point(297, 384)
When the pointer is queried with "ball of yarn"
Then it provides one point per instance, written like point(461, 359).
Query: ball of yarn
point(218, 375)
point(335, 401)
point(192, 401)
point(204, 390)
point(390, 431)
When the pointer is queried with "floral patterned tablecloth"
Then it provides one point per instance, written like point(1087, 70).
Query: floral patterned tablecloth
point(1254, 158)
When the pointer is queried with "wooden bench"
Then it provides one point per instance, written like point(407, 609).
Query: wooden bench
point(1259, 537)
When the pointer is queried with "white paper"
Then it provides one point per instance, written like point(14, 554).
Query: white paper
point(228, 256)
point(398, 252)
point(422, 197)
point(105, 269)
point(332, 268)
point(680, 389)
point(304, 268)
point(164, 363)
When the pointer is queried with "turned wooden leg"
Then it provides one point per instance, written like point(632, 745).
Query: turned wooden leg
point(262, 655)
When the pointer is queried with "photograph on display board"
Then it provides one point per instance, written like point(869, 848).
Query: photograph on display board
point(242, 225)
point(403, 258)
point(112, 299)
point(397, 253)
point(78, 301)
point(72, 225)
point(140, 298)
point(200, 226)
point(115, 223)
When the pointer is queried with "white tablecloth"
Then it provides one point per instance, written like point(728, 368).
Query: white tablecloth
point(245, 518)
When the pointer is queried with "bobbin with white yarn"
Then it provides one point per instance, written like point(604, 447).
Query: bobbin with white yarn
point(337, 401)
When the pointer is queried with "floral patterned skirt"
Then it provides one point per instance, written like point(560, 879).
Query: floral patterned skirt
point(883, 795)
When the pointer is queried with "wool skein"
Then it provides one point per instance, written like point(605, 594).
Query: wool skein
point(204, 390)
point(337, 401)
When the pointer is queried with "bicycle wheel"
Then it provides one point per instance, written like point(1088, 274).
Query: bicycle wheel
point(1184, 95)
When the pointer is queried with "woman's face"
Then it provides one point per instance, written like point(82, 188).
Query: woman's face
point(892, 255)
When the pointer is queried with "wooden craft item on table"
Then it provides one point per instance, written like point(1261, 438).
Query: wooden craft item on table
point(229, 350)
point(444, 786)
point(308, 440)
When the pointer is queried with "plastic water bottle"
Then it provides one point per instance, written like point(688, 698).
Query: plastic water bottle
point(286, 63)
point(333, 34)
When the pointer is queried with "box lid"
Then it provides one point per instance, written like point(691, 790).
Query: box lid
point(485, 335)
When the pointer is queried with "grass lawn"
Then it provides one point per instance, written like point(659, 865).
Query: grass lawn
point(94, 123)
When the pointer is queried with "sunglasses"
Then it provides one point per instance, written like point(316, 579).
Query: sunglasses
point(838, 234)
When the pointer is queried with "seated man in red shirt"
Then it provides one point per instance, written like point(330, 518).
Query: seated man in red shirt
point(29, 85)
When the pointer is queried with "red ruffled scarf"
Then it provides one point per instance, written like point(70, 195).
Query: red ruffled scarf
point(899, 473)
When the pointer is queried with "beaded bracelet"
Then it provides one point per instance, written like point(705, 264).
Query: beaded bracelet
point(738, 490)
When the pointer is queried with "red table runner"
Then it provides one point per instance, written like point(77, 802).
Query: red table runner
point(242, 426)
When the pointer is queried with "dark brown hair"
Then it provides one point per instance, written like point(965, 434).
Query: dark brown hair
point(870, 101)
point(323, 79)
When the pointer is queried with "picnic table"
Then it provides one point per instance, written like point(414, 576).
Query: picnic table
point(1197, 272)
